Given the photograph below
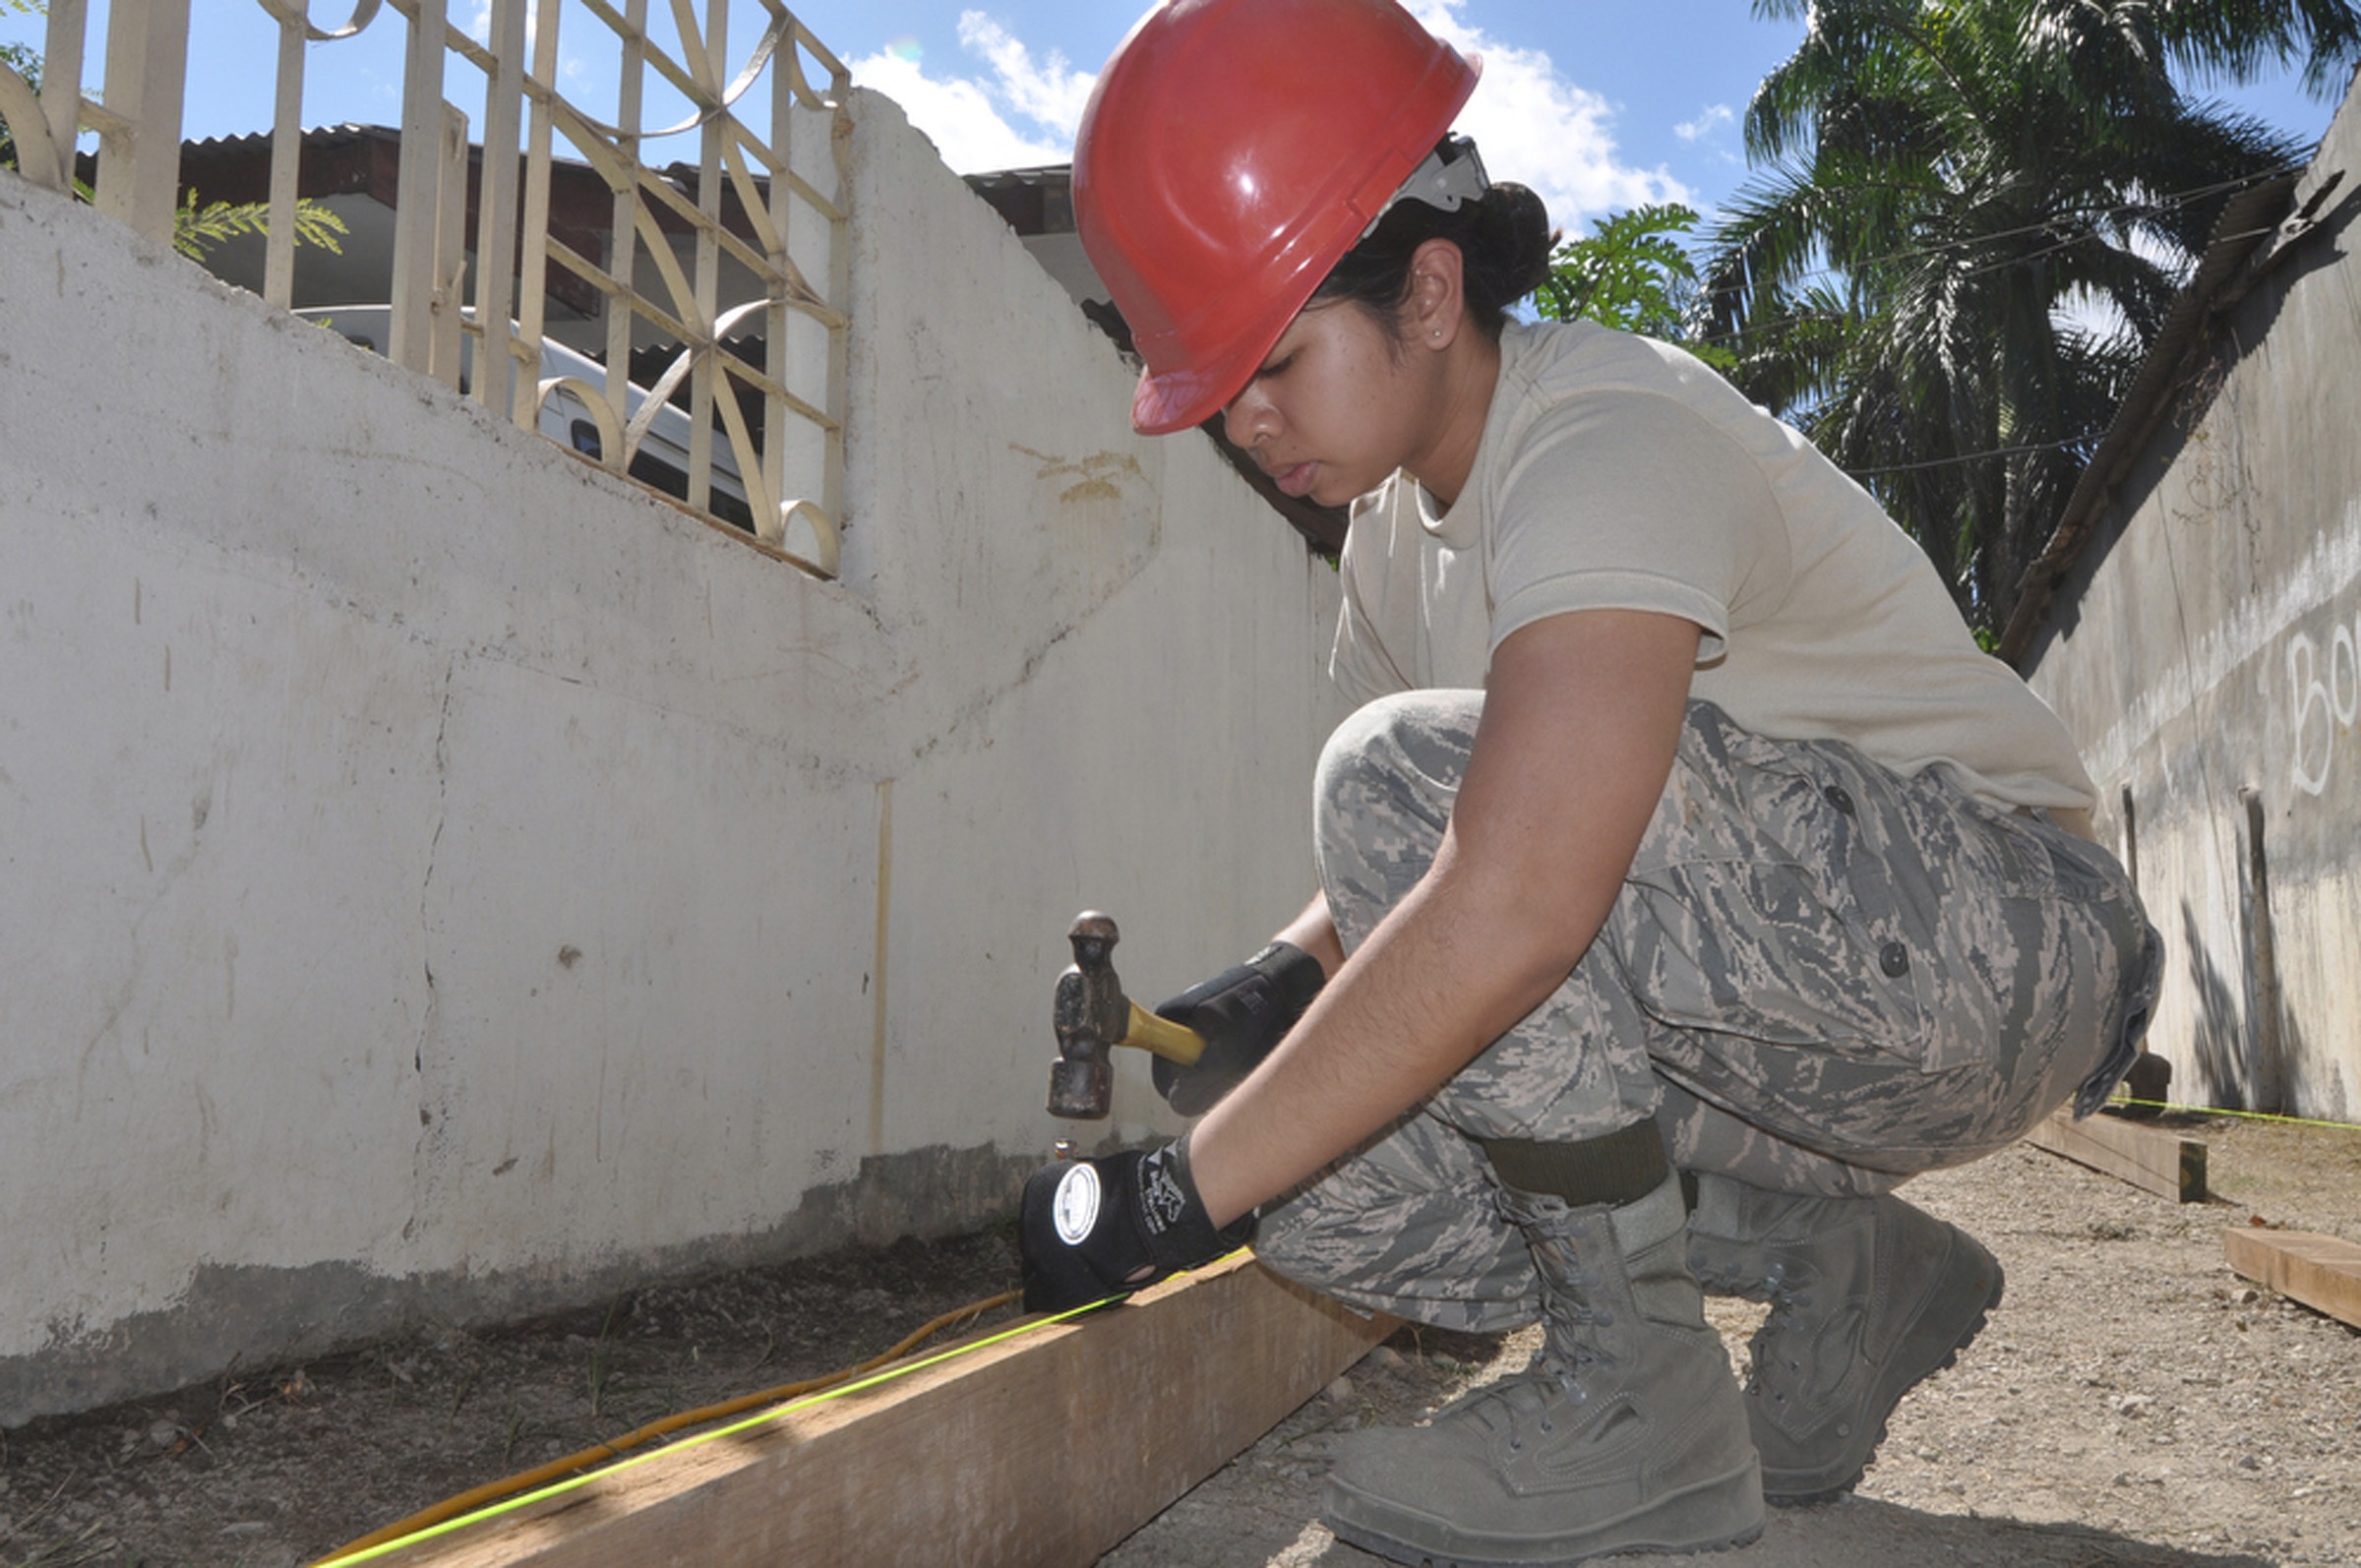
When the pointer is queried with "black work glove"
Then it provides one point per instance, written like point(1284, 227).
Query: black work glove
point(1242, 1014)
point(1091, 1229)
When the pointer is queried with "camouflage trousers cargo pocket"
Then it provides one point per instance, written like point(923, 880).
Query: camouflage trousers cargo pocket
point(1820, 977)
point(1882, 968)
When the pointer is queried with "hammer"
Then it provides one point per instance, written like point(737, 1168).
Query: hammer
point(1092, 1015)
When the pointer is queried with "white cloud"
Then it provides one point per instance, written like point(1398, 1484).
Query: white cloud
point(1535, 125)
point(1537, 128)
point(1023, 112)
point(479, 26)
point(1710, 121)
point(1052, 93)
point(958, 116)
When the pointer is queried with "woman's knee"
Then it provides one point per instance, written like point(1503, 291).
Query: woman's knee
point(1386, 783)
point(1409, 750)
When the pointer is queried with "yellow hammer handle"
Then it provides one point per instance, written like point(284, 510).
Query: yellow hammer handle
point(1177, 1044)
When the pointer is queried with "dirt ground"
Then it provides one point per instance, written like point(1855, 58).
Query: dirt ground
point(2133, 1402)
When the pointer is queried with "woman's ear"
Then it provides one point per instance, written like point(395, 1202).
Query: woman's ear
point(1437, 304)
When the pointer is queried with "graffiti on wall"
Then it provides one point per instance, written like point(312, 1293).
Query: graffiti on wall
point(2325, 689)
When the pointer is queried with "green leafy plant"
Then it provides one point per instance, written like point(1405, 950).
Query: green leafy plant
point(1632, 274)
point(1966, 225)
point(25, 62)
point(602, 1357)
point(516, 1431)
point(197, 226)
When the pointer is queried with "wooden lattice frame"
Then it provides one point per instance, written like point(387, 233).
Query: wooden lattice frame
point(792, 470)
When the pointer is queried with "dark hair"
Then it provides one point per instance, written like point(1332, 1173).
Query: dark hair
point(1504, 243)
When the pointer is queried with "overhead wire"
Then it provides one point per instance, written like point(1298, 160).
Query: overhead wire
point(1970, 456)
point(2167, 202)
point(2170, 202)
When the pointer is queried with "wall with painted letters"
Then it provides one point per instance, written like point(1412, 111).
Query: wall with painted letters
point(2208, 653)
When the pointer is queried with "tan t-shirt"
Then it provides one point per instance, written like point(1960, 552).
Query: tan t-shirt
point(1618, 473)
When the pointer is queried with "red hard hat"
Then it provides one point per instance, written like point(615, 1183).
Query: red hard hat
point(1232, 151)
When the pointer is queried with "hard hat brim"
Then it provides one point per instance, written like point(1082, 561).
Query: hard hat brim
point(1216, 186)
point(1182, 398)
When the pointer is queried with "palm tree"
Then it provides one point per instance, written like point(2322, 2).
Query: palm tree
point(1971, 218)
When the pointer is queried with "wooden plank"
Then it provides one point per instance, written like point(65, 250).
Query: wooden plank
point(2323, 1272)
point(1046, 1449)
point(2153, 1159)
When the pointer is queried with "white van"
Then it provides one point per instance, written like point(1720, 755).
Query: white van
point(662, 461)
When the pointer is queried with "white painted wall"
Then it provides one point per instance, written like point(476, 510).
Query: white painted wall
point(2205, 654)
point(436, 875)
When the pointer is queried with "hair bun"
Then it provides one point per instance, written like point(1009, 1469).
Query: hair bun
point(1511, 258)
point(1504, 242)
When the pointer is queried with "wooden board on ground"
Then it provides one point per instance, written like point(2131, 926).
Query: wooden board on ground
point(2153, 1159)
point(1046, 1449)
point(2320, 1271)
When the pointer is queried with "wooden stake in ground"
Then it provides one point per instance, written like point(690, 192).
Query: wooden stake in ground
point(1043, 1450)
point(2152, 1159)
point(2320, 1271)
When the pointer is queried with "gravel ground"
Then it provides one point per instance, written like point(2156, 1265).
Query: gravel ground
point(2132, 1402)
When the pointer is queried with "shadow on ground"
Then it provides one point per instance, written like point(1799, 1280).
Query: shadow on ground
point(1216, 1527)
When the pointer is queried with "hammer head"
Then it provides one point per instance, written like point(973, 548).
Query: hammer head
point(1090, 1014)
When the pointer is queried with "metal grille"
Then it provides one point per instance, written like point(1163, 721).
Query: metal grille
point(734, 265)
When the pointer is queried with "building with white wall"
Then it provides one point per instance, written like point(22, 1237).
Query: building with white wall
point(438, 877)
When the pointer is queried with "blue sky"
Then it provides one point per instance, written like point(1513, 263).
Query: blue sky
point(1599, 104)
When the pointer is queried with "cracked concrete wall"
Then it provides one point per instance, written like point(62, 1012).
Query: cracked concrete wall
point(2204, 652)
point(441, 878)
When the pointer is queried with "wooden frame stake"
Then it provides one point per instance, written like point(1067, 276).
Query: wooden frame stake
point(2320, 1271)
point(2153, 1159)
point(1046, 1449)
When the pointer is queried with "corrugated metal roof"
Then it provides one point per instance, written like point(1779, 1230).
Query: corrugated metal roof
point(260, 141)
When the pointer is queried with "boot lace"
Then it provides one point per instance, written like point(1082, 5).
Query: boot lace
point(1776, 1370)
point(1571, 1350)
point(1526, 1403)
point(1772, 1370)
point(1534, 1398)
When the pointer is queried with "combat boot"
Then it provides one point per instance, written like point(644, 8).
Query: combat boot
point(1869, 1297)
point(1629, 1435)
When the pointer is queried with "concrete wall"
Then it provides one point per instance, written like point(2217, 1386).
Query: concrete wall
point(2206, 653)
point(438, 878)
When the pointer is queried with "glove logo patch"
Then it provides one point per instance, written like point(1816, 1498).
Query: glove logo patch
point(1075, 1208)
point(1161, 1198)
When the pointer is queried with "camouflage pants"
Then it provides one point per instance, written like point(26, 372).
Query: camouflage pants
point(1820, 977)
